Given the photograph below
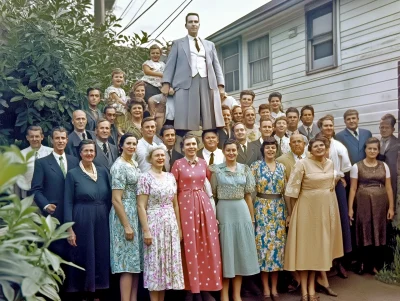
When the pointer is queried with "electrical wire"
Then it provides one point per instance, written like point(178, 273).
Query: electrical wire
point(173, 20)
point(127, 8)
point(132, 22)
point(167, 18)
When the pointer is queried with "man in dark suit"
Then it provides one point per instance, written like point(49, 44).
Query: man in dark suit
point(352, 137)
point(247, 152)
point(225, 133)
point(48, 179)
point(389, 148)
point(106, 153)
point(79, 122)
point(266, 130)
point(308, 128)
point(110, 113)
point(168, 136)
point(94, 113)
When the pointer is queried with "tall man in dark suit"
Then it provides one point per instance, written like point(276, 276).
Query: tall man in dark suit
point(106, 153)
point(389, 148)
point(110, 113)
point(352, 137)
point(94, 113)
point(49, 175)
point(193, 70)
point(79, 122)
point(308, 128)
point(168, 136)
point(247, 152)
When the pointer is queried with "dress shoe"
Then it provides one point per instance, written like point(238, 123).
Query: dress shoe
point(341, 271)
point(325, 289)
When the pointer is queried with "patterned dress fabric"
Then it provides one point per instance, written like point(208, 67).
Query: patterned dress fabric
point(201, 255)
point(238, 248)
point(162, 259)
point(315, 235)
point(270, 216)
point(126, 255)
point(371, 205)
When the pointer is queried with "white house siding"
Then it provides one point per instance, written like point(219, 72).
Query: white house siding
point(367, 74)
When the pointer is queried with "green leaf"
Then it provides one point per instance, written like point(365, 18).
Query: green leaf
point(29, 287)
point(4, 103)
point(8, 291)
point(53, 259)
point(16, 98)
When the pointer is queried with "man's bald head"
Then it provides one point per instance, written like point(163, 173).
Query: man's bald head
point(79, 120)
point(297, 144)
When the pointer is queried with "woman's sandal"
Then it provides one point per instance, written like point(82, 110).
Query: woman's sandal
point(325, 289)
point(313, 298)
point(304, 298)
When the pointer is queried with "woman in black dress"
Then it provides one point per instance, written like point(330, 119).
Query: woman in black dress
point(87, 200)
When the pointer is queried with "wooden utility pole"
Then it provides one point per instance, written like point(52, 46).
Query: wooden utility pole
point(99, 12)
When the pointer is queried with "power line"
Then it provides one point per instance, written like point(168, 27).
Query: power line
point(127, 8)
point(131, 23)
point(173, 19)
point(167, 18)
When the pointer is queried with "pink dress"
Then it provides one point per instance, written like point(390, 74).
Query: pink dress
point(201, 254)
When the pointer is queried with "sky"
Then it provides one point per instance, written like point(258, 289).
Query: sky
point(214, 15)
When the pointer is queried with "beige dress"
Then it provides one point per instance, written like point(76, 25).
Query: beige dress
point(315, 234)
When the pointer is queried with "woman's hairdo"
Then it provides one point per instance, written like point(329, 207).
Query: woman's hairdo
point(122, 141)
point(373, 140)
point(229, 142)
point(189, 136)
point(85, 142)
point(136, 101)
point(152, 149)
point(268, 141)
point(322, 139)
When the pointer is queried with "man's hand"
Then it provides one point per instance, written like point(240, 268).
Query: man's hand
point(221, 90)
point(165, 89)
point(51, 208)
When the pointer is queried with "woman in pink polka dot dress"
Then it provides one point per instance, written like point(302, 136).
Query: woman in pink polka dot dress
point(201, 255)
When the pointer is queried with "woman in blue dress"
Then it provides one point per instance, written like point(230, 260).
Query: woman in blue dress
point(270, 215)
point(126, 244)
point(232, 185)
point(87, 202)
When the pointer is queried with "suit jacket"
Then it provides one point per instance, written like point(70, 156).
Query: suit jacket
point(178, 71)
point(73, 143)
point(355, 147)
point(222, 136)
point(48, 183)
point(288, 161)
point(314, 131)
point(253, 154)
point(390, 157)
point(101, 158)
point(114, 135)
point(175, 156)
point(91, 121)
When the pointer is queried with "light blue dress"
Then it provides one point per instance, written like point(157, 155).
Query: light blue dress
point(237, 239)
point(126, 255)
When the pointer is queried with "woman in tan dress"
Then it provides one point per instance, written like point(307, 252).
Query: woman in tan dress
point(315, 235)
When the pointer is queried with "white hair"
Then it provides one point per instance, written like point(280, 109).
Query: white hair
point(152, 149)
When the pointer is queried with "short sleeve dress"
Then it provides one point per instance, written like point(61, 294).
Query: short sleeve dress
point(126, 255)
point(162, 259)
point(238, 247)
point(315, 234)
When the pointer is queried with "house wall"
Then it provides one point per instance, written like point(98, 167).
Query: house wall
point(368, 53)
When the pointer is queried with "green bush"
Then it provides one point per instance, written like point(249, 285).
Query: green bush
point(28, 270)
point(50, 53)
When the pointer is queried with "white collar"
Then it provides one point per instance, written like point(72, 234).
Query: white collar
point(192, 38)
point(57, 156)
point(207, 152)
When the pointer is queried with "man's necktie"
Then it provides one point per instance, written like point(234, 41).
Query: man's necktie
point(105, 149)
point(279, 150)
point(170, 159)
point(383, 146)
point(197, 45)
point(62, 166)
point(245, 149)
point(36, 155)
point(308, 133)
point(211, 161)
point(83, 136)
point(355, 134)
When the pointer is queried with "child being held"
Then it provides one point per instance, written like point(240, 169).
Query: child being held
point(153, 70)
point(115, 95)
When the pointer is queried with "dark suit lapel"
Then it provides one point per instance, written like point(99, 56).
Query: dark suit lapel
point(55, 166)
point(241, 154)
point(69, 164)
point(351, 138)
point(392, 144)
point(186, 49)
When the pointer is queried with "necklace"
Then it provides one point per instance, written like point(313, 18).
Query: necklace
point(128, 161)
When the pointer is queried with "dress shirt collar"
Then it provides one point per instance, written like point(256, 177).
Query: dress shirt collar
point(208, 153)
point(57, 157)
point(306, 127)
point(80, 134)
point(100, 143)
point(192, 38)
point(352, 132)
point(296, 158)
point(192, 162)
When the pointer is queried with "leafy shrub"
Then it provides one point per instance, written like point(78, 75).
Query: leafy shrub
point(50, 53)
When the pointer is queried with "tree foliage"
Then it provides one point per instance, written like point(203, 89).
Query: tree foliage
point(50, 53)
point(28, 270)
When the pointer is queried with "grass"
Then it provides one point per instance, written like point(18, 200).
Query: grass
point(391, 274)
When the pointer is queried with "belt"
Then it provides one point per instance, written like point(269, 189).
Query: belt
point(269, 196)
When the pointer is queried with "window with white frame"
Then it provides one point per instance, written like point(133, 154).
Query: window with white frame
point(321, 37)
point(230, 65)
point(259, 69)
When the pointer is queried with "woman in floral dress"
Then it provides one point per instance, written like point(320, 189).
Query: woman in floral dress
point(159, 217)
point(201, 253)
point(270, 215)
point(126, 244)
